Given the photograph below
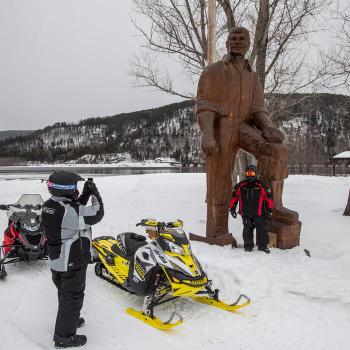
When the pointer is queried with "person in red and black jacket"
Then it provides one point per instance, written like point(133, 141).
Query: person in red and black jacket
point(255, 207)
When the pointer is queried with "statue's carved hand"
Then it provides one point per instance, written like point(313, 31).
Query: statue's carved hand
point(272, 134)
point(209, 145)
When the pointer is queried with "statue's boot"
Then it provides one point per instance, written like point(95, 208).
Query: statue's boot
point(220, 216)
point(280, 212)
point(283, 214)
point(220, 225)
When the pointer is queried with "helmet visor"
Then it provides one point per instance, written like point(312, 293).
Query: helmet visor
point(250, 173)
point(61, 187)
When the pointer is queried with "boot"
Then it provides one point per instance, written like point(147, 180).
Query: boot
point(220, 220)
point(3, 272)
point(264, 249)
point(69, 342)
point(281, 213)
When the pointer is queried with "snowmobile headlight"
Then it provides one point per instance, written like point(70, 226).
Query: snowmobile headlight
point(176, 249)
point(188, 250)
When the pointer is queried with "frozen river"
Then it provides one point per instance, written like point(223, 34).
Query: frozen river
point(42, 172)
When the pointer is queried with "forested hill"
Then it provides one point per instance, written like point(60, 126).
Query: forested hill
point(317, 126)
point(168, 131)
point(13, 133)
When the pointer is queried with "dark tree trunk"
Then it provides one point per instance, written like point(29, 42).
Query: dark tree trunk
point(347, 209)
point(261, 37)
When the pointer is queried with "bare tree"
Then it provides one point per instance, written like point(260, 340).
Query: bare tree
point(339, 57)
point(179, 28)
point(347, 209)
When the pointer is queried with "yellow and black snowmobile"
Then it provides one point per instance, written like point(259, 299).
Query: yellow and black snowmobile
point(161, 270)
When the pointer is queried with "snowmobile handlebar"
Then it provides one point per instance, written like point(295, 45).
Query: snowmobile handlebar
point(157, 224)
point(148, 223)
point(18, 206)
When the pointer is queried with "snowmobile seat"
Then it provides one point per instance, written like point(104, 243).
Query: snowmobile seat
point(133, 241)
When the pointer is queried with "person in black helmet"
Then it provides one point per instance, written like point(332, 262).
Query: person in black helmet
point(66, 221)
point(255, 207)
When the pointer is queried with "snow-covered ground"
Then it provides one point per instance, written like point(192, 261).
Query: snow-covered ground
point(298, 302)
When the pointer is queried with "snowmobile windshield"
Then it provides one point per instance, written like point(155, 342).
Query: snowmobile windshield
point(26, 208)
point(173, 240)
point(178, 235)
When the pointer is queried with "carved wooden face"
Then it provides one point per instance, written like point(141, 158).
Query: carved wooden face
point(238, 43)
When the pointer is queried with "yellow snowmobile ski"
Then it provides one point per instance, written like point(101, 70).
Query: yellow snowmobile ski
point(221, 305)
point(154, 321)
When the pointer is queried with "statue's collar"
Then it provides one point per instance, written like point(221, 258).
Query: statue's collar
point(228, 59)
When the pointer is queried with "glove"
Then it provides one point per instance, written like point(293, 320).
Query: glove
point(233, 213)
point(86, 193)
point(94, 191)
point(87, 189)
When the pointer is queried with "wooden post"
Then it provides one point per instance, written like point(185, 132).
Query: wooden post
point(211, 31)
point(333, 165)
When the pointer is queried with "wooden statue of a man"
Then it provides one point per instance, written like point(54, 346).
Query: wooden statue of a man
point(231, 113)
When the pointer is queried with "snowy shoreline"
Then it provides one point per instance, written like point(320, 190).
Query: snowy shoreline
point(54, 166)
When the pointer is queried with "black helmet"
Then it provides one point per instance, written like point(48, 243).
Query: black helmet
point(63, 183)
point(251, 173)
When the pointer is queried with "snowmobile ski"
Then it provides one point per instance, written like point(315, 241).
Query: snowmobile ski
point(154, 321)
point(221, 305)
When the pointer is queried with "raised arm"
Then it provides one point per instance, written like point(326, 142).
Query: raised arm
point(261, 117)
point(205, 112)
point(93, 214)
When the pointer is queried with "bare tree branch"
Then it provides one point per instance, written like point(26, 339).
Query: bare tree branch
point(179, 28)
point(339, 56)
point(147, 76)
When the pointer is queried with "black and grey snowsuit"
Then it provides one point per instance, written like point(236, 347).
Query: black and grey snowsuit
point(66, 223)
point(67, 226)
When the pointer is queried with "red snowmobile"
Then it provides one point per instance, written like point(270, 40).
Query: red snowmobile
point(24, 239)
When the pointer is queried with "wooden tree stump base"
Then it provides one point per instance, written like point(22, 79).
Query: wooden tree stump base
point(284, 236)
point(221, 240)
point(281, 235)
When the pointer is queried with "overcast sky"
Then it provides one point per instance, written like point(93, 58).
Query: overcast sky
point(66, 60)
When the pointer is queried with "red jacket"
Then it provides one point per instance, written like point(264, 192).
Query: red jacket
point(254, 198)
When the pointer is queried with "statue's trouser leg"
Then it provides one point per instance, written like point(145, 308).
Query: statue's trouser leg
point(219, 168)
point(274, 171)
point(272, 159)
point(262, 237)
point(248, 232)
